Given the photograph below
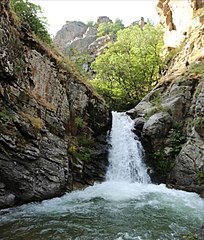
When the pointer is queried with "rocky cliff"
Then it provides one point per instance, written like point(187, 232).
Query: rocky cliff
point(170, 119)
point(80, 36)
point(52, 124)
point(78, 40)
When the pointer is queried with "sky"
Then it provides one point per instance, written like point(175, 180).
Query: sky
point(60, 11)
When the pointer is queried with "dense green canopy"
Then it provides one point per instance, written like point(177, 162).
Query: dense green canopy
point(129, 67)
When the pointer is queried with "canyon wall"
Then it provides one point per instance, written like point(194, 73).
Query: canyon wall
point(52, 124)
point(170, 119)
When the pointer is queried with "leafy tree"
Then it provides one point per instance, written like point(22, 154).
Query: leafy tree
point(110, 28)
point(32, 15)
point(129, 68)
point(90, 23)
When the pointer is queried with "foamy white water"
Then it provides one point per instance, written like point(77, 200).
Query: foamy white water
point(125, 155)
point(125, 207)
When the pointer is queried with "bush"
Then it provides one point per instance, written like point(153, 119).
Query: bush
point(31, 14)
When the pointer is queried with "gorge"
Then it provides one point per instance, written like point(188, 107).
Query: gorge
point(125, 206)
point(53, 141)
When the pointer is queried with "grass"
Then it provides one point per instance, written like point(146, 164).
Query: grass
point(43, 102)
point(197, 68)
point(36, 122)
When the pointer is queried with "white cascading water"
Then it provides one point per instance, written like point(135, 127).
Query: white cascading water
point(125, 154)
point(126, 206)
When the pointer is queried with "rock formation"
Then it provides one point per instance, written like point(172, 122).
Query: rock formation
point(53, 125)
point(170, 119)
point(178, 16)
point(77, 39)
point(78, 35)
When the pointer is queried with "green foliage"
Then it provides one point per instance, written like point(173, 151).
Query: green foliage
point(80, 123)
point(200, 176)
point(158, 107)
point(72, 149)
point(84, 155)
point(129, 67)
point(31, 14)
point(79, 148)
point(90, 23)
point(162, 164)
point(85, 141)
point(190, 236)
point(80, 59)
point(198, 122)
point(110, 28)
point(5, 118)
point(178, 139)
point(196, 68)
point(172, 53)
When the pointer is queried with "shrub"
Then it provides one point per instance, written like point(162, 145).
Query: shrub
point(80, 123)
point(31, 14)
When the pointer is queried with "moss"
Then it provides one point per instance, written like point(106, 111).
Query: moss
point(1, 34)
point(197, 123)
point(5, 118)
point(200, 176)
point(158, 107)
point(84, 155)
point(36, 122)
point(80, 148)
point(86, 141)
point(190, 236)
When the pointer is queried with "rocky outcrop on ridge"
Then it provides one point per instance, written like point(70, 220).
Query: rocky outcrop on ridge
point(170, 119)
point(78, 35)
point(52, 124)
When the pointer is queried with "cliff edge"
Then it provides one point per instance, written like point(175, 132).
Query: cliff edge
point(53, 125)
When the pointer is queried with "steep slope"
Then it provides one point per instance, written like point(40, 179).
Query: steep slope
point(53, 125)
point(170, 119)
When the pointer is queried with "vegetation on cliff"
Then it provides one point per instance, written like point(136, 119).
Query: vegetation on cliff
point(31, 14)
point(110, 28)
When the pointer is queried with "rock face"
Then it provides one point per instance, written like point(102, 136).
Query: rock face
point(53, 125)
point(177, 17)
point(170, 119)
point(77, 35)
point(77, 40)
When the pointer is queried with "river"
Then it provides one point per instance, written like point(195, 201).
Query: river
point(126, 206)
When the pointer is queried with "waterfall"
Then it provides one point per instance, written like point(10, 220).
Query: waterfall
point(125, 154)
point(126, 206)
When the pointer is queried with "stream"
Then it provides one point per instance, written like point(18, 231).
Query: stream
point(126, 206)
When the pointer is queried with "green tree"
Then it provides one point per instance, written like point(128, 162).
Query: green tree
point(90, 23)
point(129, 68)
point(32, 15)
point(110, 28)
